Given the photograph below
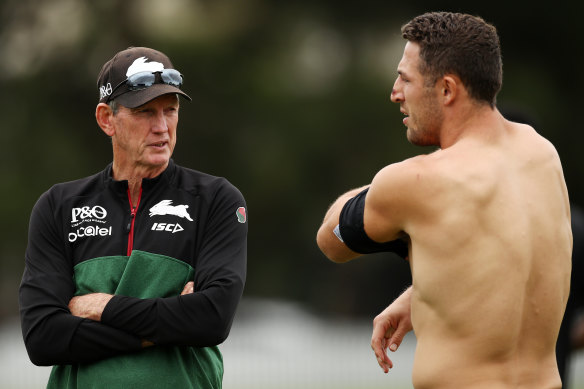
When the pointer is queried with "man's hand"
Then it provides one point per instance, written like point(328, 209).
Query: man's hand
point(188, 289)
point(89, 306)
point(390, 327)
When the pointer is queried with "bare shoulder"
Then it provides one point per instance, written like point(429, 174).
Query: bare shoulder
point(398, 193)
point(408, 177)
point(398, 177)
point(532, 139)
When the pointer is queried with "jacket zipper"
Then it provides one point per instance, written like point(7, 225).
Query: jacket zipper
point(130, 227)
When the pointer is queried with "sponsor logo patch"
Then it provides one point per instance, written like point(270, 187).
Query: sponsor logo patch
point(88, 221)
point(165, 207)
point(105, 90)
point(88, 214)
point(241, 215)
point(170, 227)
point(141, 65)
point(83, 232)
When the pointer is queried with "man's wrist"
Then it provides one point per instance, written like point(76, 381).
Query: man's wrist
point(89, 306)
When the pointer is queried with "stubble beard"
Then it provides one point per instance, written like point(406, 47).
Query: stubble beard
point(426, 124)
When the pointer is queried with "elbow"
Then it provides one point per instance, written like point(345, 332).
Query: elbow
point(39, 360)
point(321, 242)
point(337, 257)
point(214, 325)
point(221, 329)
point(336, 251)
point(213, 336)
point(39, 353)
point(219, 336)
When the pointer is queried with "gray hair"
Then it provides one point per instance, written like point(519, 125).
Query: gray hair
point(115, 106)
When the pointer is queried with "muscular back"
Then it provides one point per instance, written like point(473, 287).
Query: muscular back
point(490, 260)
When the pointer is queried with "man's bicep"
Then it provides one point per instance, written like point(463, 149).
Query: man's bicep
point(352, 230)
point(385, 210)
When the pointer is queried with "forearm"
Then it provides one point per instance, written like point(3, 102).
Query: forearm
point(64, 339)
point(198, 319)
point(326, 239)
point(202, 317)
point(406, 297)
point(390, 328)
point(89, 306)
point(52, 335)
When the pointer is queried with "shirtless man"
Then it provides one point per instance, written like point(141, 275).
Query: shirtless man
point(484, 221)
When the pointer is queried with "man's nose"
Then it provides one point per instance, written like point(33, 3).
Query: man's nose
point(159, 122)
point(396, 96)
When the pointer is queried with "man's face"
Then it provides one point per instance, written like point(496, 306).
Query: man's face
point(417, 100)
point(145, 136)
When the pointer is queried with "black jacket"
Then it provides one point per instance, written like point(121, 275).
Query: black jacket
point(85, 236)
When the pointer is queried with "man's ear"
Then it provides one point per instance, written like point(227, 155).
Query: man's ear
point(450, 88)
point(104, 116)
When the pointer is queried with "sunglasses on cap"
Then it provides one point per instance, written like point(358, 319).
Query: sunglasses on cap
point(143, 80)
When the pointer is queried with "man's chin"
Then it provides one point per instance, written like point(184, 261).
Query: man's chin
point(157, 161)
point(419, 141)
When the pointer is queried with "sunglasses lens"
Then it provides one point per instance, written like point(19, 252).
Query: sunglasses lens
point(141, 80)
point(171, 77)
point(146, 79)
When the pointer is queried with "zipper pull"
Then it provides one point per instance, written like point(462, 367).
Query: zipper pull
point(132, 216)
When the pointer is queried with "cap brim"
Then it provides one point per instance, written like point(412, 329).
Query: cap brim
point(134, 99)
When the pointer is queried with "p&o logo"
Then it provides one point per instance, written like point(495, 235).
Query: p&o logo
point(81, 214)
point(94, 216)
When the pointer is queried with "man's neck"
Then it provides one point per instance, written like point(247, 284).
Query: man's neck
point(469, 121)
point(134, 175)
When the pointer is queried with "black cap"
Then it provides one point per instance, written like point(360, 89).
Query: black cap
point(126, 63)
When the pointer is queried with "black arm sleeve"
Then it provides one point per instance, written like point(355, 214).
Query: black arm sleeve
point(52, 335)
point(202, 318)
point(353, 232)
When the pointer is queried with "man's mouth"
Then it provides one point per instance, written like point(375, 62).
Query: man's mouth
point(406, 117)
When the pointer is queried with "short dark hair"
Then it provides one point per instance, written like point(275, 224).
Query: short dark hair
point(459, 44)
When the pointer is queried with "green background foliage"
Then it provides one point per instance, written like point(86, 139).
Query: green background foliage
point(290, 103)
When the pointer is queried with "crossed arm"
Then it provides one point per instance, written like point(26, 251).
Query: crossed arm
point(56, 326)
point(91, 306)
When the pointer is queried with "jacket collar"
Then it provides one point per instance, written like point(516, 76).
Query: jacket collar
point(147, 183)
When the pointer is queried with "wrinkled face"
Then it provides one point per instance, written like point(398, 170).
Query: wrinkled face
point(145, 136)
point(418, 100)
